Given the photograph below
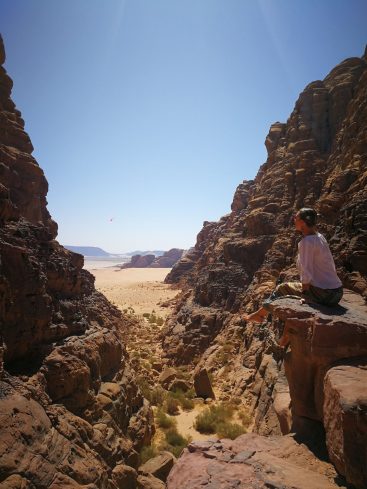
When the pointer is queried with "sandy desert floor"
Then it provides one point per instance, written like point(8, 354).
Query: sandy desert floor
point(140, 288)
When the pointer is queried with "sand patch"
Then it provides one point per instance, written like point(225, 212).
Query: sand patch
point(140, 288)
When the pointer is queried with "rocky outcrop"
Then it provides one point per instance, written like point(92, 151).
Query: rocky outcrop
point(326, 369)
point(139, 261)
point(167, 260)
point(71, 413)
point(251, 461)
point(317, 158)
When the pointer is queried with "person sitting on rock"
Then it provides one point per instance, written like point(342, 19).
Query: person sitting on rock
point(319, 281)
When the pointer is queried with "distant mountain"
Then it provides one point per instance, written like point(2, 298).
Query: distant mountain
point(87, 250)
point(144, 253)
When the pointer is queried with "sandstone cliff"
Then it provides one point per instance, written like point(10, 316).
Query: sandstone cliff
point(71, 413)
point(167, 260)
point(317, 158)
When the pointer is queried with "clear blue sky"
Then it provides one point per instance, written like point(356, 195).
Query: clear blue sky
point(151, 112)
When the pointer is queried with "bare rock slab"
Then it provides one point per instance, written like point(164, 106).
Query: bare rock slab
point(252, 462)
point(345, 421)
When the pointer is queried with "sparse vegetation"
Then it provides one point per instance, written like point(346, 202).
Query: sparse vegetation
point(172, 405)
point(174, 442)
point(148, 452)
point(209, 419)
point(164, 421)
point(229, 430)
point(184, 398)
point(157, 396)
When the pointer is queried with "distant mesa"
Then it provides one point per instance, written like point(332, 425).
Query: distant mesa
point(167, 260)
point(88, 250)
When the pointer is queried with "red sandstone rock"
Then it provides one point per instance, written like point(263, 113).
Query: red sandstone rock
point(317, 158)
point(251, 461)
point(159, 466)
point(345, 420)
point(71, 413)
point(202, 385)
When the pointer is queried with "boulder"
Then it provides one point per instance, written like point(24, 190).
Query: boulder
point(150, 482)
point(345, 420)
point(202, 384)
point(159, 466)
point(167, 376)
point(124, 477)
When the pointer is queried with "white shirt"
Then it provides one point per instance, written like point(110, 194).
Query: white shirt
point(315, 263)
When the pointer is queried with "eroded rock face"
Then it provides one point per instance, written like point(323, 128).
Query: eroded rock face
point(251, 461)
point(317, 158)
point(71, 413)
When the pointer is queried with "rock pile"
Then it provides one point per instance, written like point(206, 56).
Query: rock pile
point(71, 412)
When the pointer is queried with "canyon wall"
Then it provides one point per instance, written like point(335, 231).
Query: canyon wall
point(317, 158)
point(71, 413)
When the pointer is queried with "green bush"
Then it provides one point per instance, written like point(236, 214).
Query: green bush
point(187, 404)
point(171, 405)
point(160, 321)
point(174, 442)
point(157, 396)
point(148, 452)
point(229, 430)
point(209, 419)
point(164, 421)
point(244, 417)
point(183, 398)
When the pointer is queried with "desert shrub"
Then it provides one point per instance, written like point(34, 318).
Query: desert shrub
point(152, 318)
point(209, 419)
point(187, 404)
point(146, 315)
point(157, 396)
point(244, 417)
point(164, 421)
point(229, 430)
point(160, 321)
point(172, 405)
point(185, 401)
point(144, 387)
point(148, 452)
point(174, 442)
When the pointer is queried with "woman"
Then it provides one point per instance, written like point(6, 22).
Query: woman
point(319, 281)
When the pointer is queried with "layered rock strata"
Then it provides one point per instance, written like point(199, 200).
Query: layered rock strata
point(71, 413)
point(317, 158)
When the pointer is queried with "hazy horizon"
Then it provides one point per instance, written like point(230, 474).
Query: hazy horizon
point(145, 116)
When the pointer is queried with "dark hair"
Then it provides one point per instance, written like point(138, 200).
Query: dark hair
point(308, 215)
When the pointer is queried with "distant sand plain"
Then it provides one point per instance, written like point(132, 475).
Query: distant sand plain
point(140, 288)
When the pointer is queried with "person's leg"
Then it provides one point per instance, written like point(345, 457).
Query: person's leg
point(284, 289)
point(327, 297)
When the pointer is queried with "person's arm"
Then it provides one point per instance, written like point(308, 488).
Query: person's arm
point(306, 256)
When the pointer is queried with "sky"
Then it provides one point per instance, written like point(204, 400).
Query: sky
point(145, 115)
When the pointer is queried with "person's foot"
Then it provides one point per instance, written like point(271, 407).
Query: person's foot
point(257, 316)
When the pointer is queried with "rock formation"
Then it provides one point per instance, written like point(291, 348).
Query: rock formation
point(167, 260)
point(317, 158)
point(71, 413)
point(252, 462)
point(139, 261)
